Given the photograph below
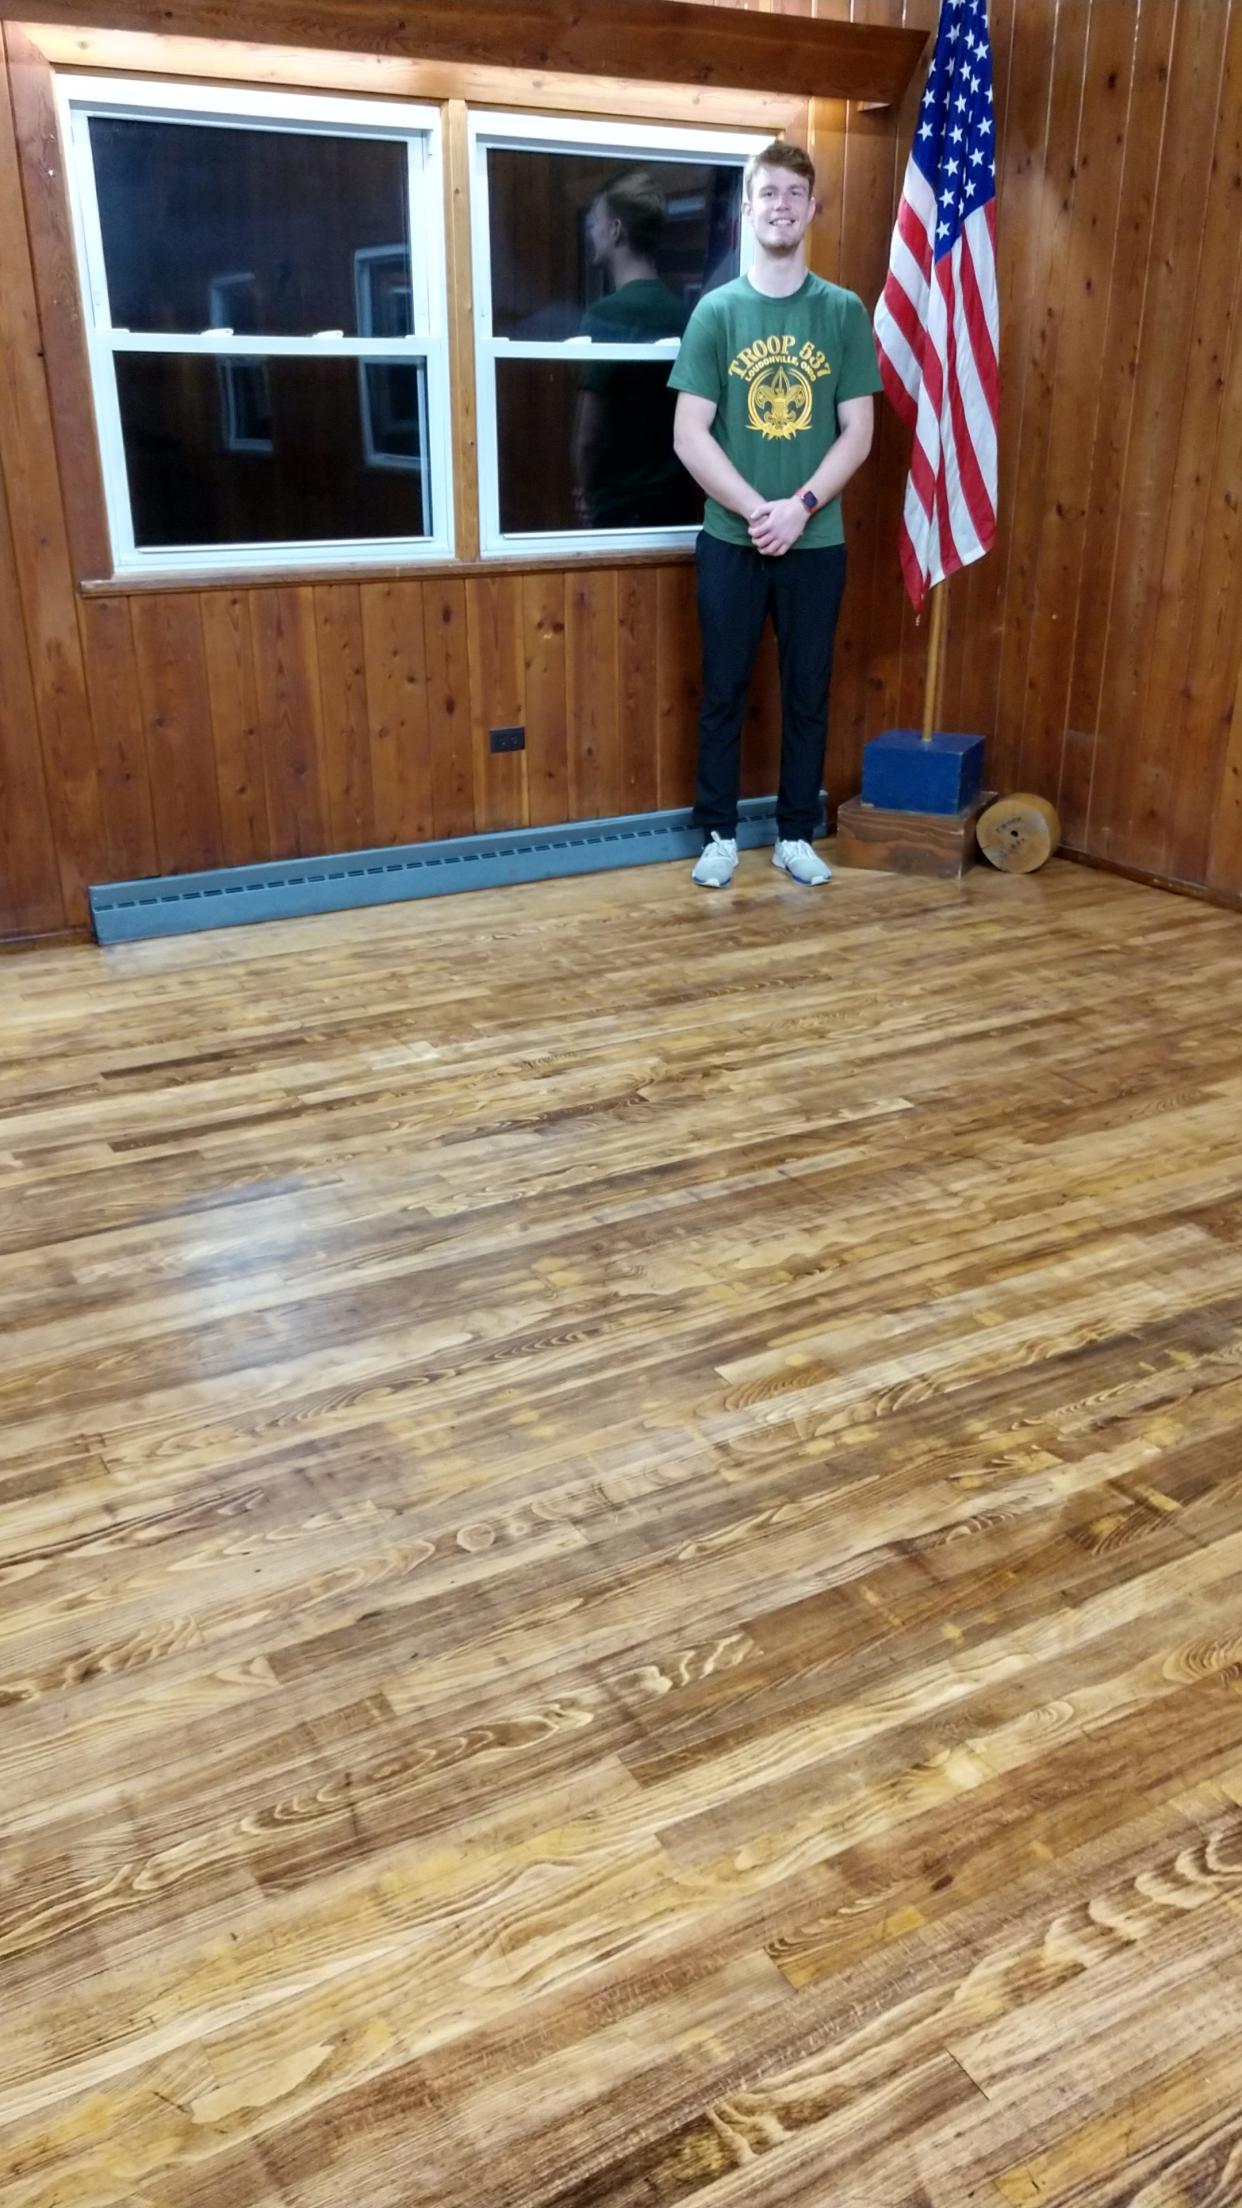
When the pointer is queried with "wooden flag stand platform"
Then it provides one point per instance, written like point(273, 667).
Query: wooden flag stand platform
point(922, 791)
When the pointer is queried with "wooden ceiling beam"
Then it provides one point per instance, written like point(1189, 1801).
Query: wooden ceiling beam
point(665, 41)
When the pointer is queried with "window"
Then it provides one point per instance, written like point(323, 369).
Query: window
point(592, 243)
point(263, 277)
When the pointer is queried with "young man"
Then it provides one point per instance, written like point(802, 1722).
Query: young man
point(625, 472)
point(775, 414)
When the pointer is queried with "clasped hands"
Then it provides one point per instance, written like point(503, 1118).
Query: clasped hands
point(776, 526)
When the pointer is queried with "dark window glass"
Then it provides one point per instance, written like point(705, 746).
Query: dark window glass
point(555, 265)
point(274, 233)
point(283, 450)
point(589, 445)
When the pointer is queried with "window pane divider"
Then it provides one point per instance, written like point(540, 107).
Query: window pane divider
point(583, 349)
point(269, 348)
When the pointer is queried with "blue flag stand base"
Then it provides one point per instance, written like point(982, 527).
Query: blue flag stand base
point(922, 789)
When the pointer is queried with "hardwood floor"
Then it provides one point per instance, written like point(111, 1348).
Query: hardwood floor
point(622, 1554)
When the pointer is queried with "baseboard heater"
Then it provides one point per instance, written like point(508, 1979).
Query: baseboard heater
point(289, 889)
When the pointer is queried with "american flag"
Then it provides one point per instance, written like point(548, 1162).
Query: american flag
point(937, 326)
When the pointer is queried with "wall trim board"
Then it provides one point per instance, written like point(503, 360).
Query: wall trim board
point(1226, 900)
point(663, 40)
point(291, 889)
point(287, 578)
point(405, 77)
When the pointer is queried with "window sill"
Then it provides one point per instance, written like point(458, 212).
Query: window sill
point(286, 578)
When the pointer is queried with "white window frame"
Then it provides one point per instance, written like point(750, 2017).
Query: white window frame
point(419, 129)
point(557, 134)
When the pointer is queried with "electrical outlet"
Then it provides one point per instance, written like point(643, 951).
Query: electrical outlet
point(508, 739)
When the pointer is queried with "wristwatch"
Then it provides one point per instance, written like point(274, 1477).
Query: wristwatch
point(810, 501)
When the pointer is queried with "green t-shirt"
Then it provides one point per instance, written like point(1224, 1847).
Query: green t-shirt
point(636, 480)
point(777, 370)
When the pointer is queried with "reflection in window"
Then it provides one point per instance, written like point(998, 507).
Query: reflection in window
point(245, 394)
point(617, 469)
point(267, 323)
point(393, 436)
point(180, 200)
point(595, 257)
point(552, 241)
point(319, 481)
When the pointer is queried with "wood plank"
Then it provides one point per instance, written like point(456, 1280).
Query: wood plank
point(940, 845)
point(30, 894)
point(120, 739)
point(460, 272)
point(867, 664)
point(176, 712)
point(54, 265)
point(286, 669)
point(1180, 210)
point(678, 674)
point(447, 647)
point(609, 1619)
point(1201, 560)
point(1224, 869)
point(497, 698)
point(400, 77)
point(659, 39)
point(638, 689)
point(595, 769)
point(547, 743)
point(228, 647)
point(36, 516)
point(1148, 120)
point(395, 683)
point(340, 642)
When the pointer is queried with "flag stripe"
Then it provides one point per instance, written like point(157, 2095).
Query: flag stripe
point(937, 324)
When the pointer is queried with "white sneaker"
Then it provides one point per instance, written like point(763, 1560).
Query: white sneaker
point(800, 862)
point(716, 863)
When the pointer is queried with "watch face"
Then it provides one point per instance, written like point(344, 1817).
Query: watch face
point(810, 501)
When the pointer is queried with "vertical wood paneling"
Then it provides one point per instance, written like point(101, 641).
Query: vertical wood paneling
point(390, 689)
point(677, 685)
point(40, 552)
point(1205, 698)
point(1089, 203)
point(30, 894)
point(1035, 513)
point(594, 719)
point(1144, 133)
point(547, 713)
point(867, 672)
point(1224, 868)
point(1159, 400)
point(120, 739)
point(638, 688)
point(290, 718)
point(176, 712)
point(1197, 293)
point(340, 641)
point(56, 282)
point(241, 789)
point(1099, 648)
point(497, 697)
point(449, 735)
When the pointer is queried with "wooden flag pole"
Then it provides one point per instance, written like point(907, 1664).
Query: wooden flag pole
point(935, 662)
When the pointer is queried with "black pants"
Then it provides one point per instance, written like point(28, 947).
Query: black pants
point(738, 588)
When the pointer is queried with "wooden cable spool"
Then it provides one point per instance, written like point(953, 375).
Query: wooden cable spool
point(1018, 833)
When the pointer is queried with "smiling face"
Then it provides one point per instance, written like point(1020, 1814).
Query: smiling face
point(780, 210)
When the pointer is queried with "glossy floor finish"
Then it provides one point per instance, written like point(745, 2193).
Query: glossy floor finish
point(621, 1565)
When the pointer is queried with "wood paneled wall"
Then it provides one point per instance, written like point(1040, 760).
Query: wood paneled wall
point(1099, 647)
